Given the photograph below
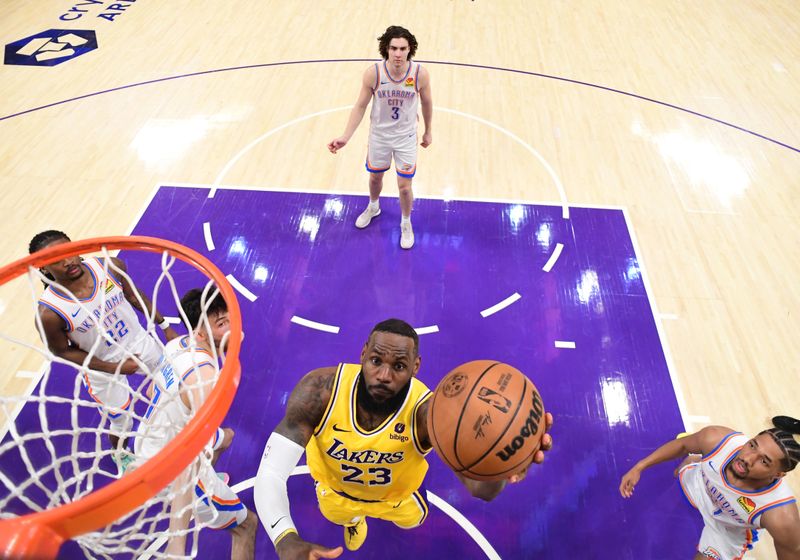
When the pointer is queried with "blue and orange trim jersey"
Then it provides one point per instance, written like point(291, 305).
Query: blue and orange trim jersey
point(384, 464)
point(104, 312)
point(395, 103)
point(169, 410)
point(709, 489)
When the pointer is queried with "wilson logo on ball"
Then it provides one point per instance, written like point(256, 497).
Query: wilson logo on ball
point(531, 427)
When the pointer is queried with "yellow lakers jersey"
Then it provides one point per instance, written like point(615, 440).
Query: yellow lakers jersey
point(384, 464)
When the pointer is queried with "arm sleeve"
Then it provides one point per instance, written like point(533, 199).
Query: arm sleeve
point(280, 457)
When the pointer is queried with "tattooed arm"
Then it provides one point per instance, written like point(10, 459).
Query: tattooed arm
point(285, 446)
point(484, 490)
point(306, 405)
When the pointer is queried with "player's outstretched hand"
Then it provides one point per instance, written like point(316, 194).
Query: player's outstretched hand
point(336, 143)
point(538, 457)
point(292, 547)
point(629, 482)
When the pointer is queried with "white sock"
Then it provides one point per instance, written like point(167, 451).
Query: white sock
point(374, 204)
point(405, 220)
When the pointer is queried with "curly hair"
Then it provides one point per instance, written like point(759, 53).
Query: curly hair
point(396, 32)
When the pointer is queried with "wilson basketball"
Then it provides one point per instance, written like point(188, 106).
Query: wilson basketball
point(486, 420)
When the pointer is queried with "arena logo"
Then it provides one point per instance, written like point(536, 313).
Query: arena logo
point(55, 46)
point(50, 47)
point(109, 11)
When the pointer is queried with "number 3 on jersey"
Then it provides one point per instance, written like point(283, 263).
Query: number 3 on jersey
point(395, 113)
point(379, 475)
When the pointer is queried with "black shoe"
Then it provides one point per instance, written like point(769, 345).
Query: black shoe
point(787, 423)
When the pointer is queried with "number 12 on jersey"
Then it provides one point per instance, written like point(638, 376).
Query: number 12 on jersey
point(117, 332)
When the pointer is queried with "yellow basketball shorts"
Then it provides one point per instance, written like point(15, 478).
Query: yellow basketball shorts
point(407, 514)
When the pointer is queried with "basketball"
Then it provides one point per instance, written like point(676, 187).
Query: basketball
point(486, 420)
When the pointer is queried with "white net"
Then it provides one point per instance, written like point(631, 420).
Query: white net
point(69, 427)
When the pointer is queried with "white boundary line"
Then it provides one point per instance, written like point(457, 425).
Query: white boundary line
point(500, 306)
point(264, 136)
point(32, 385)
point(564, 344)
point(304, 189)
point(240, 288)
point(446, 508)
point(465, 524)
point(314, 325)
point(144, 208)
point(207, 236)
point(553, 258)
point(676, 386)
point(427, 330)
point(550, 171)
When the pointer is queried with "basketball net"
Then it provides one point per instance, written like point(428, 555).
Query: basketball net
point(59, 475)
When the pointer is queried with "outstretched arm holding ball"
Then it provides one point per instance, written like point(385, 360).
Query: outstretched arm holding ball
point(486, 421)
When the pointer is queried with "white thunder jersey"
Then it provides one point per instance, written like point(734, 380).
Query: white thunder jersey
point(708, 489)
point(106, 310)
point(394, 103)
point(168, 414)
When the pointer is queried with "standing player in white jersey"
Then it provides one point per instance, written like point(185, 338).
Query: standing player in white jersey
point(179, 388)
point(397, 87)
point(93, 324)
point(737, 486)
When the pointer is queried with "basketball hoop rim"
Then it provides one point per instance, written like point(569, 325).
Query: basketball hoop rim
point(109, 503)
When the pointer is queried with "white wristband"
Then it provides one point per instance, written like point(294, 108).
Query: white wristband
point(164, 325)
point(280, 457)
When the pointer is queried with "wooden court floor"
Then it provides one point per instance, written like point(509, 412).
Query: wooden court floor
point(684, 113)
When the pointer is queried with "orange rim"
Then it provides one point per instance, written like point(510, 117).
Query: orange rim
point(40, 535)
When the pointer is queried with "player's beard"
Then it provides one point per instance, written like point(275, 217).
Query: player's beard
point(369, 404)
